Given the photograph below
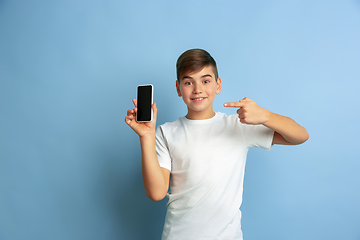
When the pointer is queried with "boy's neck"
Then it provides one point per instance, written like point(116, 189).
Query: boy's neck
point(200, 115)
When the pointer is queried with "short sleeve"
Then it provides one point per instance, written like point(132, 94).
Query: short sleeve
point(162, 150)
point(258, 136)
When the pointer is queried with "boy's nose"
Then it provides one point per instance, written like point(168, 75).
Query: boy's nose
point(197, 89)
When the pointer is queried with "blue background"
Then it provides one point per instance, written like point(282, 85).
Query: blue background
point(70, 167)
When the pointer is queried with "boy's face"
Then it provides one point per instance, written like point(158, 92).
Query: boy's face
point(198, 92)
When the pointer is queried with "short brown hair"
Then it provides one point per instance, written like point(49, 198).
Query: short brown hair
point(194, 60)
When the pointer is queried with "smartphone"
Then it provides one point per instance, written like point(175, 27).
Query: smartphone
point(144, 103)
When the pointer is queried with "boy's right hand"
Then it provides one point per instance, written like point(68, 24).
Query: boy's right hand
point(143, 128)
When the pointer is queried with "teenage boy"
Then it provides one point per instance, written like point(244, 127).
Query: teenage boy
point(205, 153)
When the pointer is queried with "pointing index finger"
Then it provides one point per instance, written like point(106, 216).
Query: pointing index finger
point(233, 104)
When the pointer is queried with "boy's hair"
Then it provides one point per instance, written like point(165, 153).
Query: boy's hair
point(194, 60)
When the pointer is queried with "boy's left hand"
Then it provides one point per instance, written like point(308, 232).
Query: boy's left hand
point(249, 112)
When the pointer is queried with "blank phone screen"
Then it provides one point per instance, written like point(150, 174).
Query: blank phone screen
point(144, 101)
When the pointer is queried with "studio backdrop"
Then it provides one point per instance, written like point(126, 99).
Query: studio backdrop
point(70, 168)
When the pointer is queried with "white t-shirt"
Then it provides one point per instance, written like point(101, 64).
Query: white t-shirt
point(207, 162)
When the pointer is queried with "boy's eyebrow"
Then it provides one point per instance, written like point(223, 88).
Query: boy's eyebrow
point(186, 77)
point(204, 76)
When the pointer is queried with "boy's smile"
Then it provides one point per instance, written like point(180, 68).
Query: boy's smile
point(198, 92)
point(198, 99)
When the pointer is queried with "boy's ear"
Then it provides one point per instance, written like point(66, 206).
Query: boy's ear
point(218, 87)
point(178, 88)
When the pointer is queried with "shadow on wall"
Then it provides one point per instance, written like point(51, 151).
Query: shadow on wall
point(142, 218)
point(133, 214)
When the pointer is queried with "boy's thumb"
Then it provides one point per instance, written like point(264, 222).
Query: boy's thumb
point(155, 111)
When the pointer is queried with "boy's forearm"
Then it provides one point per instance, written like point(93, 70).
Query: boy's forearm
point(290, 130)
point(153, 177)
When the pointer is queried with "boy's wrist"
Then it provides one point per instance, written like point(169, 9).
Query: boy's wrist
point(148, 136)
point(267, 116)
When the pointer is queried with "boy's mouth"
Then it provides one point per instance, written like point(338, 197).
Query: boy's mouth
point(198, 99)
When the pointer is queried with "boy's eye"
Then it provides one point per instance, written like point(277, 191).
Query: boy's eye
point(188, 83)
point(206, 81)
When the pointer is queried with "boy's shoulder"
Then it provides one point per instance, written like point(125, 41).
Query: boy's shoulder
point(177, 122)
